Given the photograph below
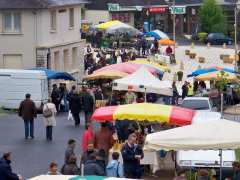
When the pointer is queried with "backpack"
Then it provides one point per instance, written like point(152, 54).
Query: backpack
point(47, 112)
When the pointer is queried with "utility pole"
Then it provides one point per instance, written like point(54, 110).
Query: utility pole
point(235, 34)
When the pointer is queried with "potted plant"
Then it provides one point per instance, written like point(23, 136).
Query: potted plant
point(180, 75)
point(187, 52)
point(201, 59)
point(192, 55)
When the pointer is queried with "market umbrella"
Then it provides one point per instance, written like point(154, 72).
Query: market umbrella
point(151, 64)
point(143, 81)
point(211, 69)
point(51, 74)
point(107, 24)
point(157, 34)
point(145, 112)
point(122, 28)
point(217, 134)
point(216, 76)
point(130, 67)
point(108, 74)
point(166, 42)
point(116, 26)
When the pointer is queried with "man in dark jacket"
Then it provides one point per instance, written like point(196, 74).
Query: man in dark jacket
point(92, 168)
point(55, 96)
point(131, 158)
point(70, 151)
point(75, 107)
point(27, 110)
point(87, 104)
point(184, 89)
point(6, 170)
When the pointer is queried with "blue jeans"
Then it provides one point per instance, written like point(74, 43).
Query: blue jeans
point(49, 132)
point(29, 128)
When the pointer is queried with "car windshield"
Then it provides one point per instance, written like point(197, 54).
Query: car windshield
point(216, 35)
point(196, 104)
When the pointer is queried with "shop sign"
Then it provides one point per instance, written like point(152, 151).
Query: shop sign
point(113, 7)
point(123, 17)
point(178, 9)
point(157, 9)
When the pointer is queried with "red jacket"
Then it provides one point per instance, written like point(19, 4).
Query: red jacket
point(87, 139)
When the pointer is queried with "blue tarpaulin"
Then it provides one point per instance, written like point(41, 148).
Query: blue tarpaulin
point(56, 74)
point(209, 70)
point(157, 34)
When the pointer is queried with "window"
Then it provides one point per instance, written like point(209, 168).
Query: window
point(12, 61)
point(53, 20)
point(12, 22)
point(71, 17)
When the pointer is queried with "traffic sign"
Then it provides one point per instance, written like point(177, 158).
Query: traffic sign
point(178, 9)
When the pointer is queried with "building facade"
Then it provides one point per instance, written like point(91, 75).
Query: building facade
point(155, 14)
point(42, 34)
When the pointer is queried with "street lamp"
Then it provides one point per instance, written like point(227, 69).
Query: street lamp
point(174, 24)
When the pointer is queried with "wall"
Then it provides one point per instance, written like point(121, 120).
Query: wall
point(96, 16)
point(23, 43)
point(63, 33)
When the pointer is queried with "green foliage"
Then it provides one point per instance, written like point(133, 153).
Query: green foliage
point(212, 17)
point(202, 36)
point(223, 81)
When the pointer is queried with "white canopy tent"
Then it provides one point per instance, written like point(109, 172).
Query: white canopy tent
point(216, 135)
point(143, 81)
point(122, 28)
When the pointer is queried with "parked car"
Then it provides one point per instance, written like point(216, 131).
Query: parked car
point(218, 39)
point(198, 103)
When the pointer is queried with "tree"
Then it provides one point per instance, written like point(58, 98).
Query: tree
point(212, 17)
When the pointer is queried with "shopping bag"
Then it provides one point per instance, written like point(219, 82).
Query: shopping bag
point(70, 116)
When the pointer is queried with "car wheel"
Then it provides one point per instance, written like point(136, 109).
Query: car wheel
point(229, 43)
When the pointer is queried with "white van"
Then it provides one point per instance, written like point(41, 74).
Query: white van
point(205, 158)
point(14, 84)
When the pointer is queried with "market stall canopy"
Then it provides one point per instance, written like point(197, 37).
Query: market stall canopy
point(116, 26)
point(129, 68)
point(143, 81)
point(108, 74)
point(107, 24)
point(148, 63)
point(211, 69)
point(166, 42)
point(214, 135)
point(145, 112)
point(56, 74)
point(66, 177)
point(157, 34)
point(216, 76)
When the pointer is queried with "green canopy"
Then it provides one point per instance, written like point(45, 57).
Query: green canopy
point(88, 178)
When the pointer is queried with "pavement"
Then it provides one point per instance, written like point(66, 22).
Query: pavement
point(211, 55)
point(32, 157)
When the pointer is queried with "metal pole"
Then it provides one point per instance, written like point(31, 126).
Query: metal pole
point(174, 30)
point(235, 35)
point(221, 105)
point(220, 173)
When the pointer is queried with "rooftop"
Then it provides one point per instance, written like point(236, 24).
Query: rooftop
point(37, 4)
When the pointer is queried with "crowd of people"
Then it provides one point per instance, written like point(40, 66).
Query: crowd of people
point(96, 159)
